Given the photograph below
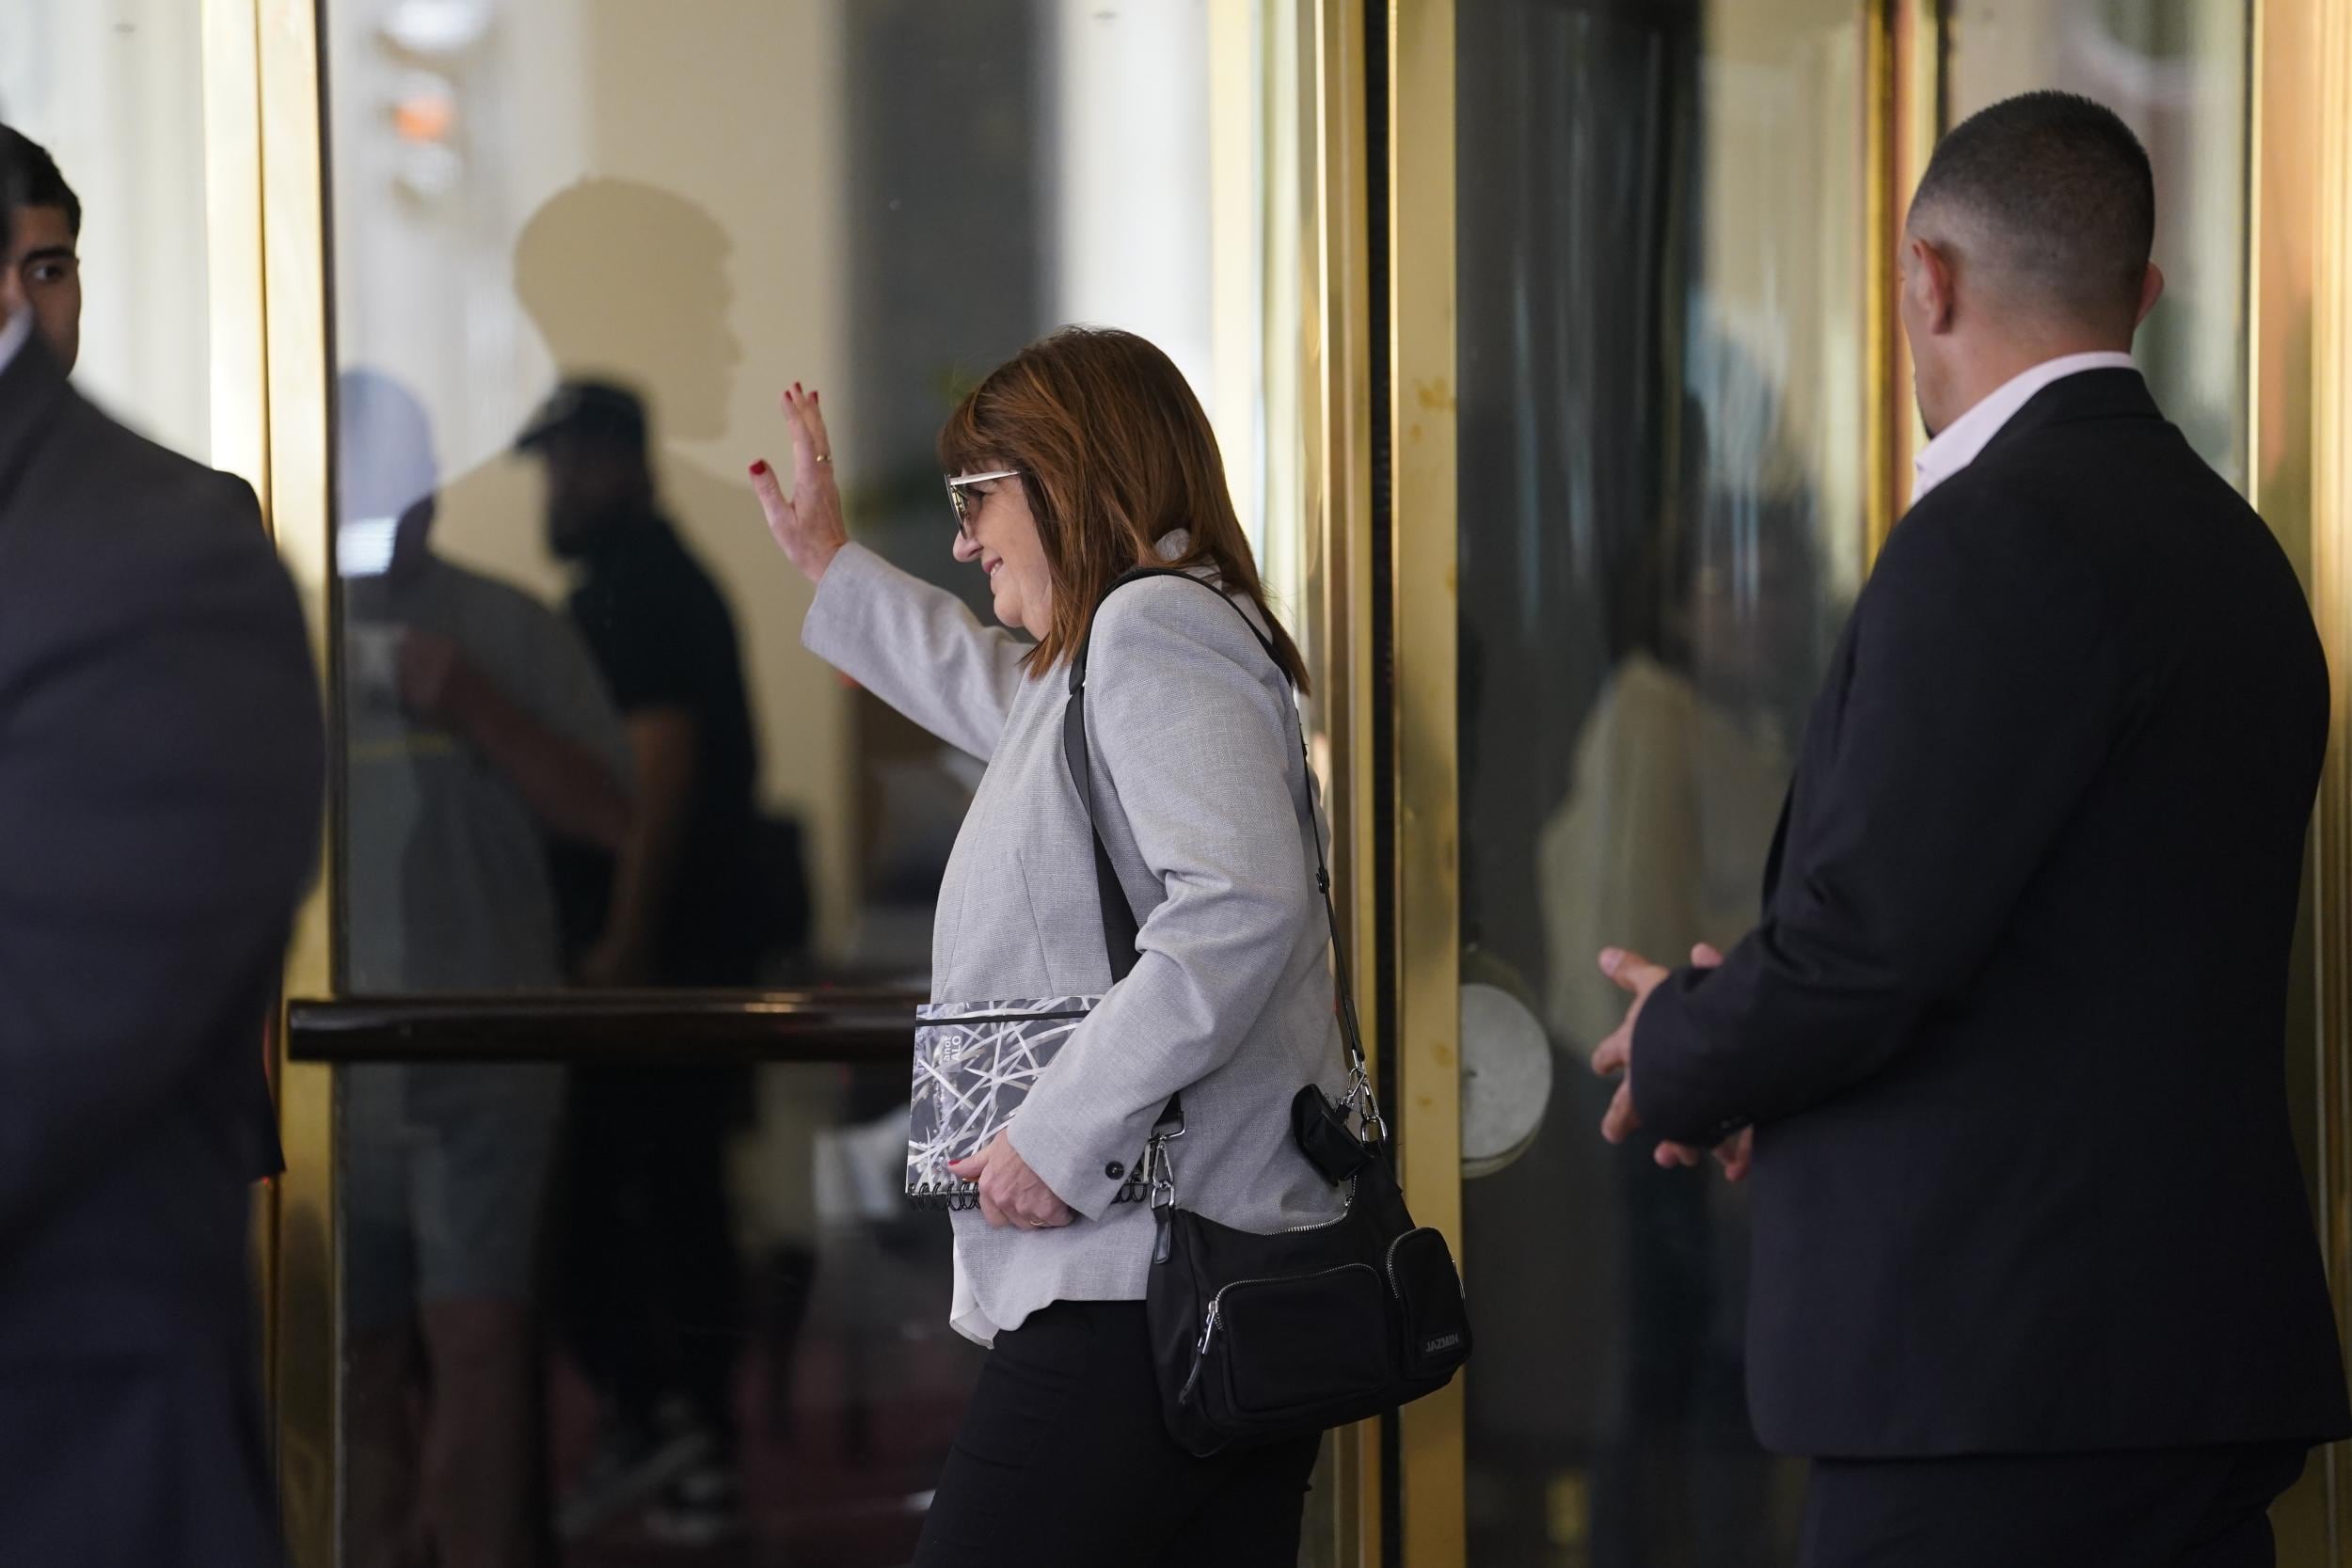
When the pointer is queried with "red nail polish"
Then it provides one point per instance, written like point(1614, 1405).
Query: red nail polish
point(759, 467)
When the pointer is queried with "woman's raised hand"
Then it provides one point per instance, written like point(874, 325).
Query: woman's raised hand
point(806, 524)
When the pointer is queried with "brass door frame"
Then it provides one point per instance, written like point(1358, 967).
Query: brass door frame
point(2299, 463)
point(2331, 500)
point(1335, 321)
point(1903, 83)
point(305, 1343)
point(264, 245)
point(1424, 620)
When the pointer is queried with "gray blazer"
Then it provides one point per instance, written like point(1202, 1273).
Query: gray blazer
point(1205, 809)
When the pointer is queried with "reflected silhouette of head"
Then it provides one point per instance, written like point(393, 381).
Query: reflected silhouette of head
point(386, 476)
point(628, 282)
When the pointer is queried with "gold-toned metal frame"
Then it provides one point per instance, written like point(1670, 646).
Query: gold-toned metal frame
point(1424, 626)
point(235, 308)
point(305, 1346)
point(1335, 319)
point(2299, 468)
point(2330, 130)
point(265, 267)
point(1903, 90)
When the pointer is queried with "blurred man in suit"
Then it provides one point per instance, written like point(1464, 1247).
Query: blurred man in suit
point(2035, 1282)
point(161, 764)
point(42, 258)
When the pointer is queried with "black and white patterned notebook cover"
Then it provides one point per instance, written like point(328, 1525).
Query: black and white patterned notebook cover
point(975, 1063)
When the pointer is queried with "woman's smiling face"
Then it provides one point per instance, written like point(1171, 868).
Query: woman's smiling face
point(999, 533)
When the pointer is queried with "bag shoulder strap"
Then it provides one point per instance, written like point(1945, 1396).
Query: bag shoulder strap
point(1119, 927)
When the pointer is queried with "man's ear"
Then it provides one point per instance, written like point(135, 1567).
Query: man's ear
point(1927, 277)
point(2150, 291)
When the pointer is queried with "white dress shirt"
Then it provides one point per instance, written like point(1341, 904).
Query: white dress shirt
point(12, 334)
point(1964, 437)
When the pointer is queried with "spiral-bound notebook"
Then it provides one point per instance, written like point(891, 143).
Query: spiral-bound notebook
point(975, 1063)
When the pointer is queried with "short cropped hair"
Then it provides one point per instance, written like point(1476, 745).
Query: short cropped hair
point(30, 177)
point(2059, 195)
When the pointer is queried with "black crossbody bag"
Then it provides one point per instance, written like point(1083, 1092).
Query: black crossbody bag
point(1261, 1337)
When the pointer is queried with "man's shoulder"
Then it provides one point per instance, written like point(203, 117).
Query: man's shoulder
point(2057, 463)
point(108, 528)
point(118, 479)
point(1982, 514)
point(2076, 489)
point(2025, 489)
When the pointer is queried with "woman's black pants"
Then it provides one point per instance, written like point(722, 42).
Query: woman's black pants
point(1064, 1459)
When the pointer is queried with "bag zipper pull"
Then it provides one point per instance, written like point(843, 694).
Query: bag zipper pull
point(1199, 1354)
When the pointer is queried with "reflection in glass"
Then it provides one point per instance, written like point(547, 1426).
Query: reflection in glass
point(845, 1382)
point(578, 249)
point(2176, 70)
point(480, 739)
point(1660, 243)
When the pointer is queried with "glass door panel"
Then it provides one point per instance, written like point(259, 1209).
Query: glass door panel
point(1663, 354)
point(600, 1295)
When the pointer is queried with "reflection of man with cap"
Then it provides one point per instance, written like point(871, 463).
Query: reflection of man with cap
point(655, 1246)
point(665, 640)
point(593, 436)
point(479, 733)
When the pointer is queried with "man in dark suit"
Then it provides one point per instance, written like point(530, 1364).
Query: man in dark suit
point(161, 762)
point(2035, 1281)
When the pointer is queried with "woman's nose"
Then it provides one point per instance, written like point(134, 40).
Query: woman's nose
point(968, 549)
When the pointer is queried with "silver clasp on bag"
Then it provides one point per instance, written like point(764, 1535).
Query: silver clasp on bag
point(1159, 1171)
point(1366, 1105)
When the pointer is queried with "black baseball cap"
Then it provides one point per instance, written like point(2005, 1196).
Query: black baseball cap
point(598, 409)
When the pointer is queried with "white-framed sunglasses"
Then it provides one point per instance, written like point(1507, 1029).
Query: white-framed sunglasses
point(965, 503)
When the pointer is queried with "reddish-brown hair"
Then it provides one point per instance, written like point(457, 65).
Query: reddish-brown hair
point(1115, 453)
